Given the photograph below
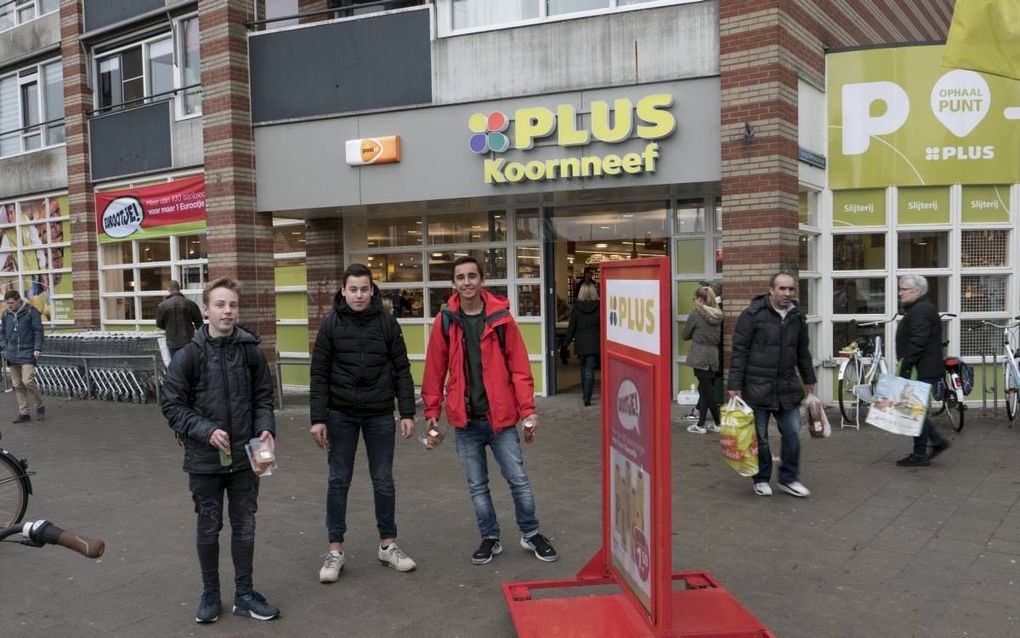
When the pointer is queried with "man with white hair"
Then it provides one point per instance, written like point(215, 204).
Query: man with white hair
point(919, 346)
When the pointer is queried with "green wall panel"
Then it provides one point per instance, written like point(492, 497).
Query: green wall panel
point(414, 337)
point(292, 338)
point(690, 256)
point(536, 372)
point(685, 296)
point(291, 305)
point(532, 334)
point(291, 275)
point(417, 371)
point(296, 375)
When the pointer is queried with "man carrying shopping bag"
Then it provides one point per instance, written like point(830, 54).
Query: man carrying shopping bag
point(770, 346)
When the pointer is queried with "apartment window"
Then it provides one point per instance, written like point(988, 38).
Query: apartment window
point(15, 12)
point(480, 14)
point(31, 109)
point(190, 68)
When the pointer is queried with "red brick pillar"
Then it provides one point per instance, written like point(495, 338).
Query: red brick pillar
point(324, 263)
point(77, 105)
point(240, 240)
point(759, 150)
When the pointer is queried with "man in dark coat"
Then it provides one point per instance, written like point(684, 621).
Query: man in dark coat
point(21, 341)
point(218, 394)
point(359, 366)
point(919, 347)
point(179, 317)
point(770, 346)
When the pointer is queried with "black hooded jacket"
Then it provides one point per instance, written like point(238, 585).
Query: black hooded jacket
point(919, 340)
point(584, 328)
point(768, 351)
point(218, 383)
point(359, 363)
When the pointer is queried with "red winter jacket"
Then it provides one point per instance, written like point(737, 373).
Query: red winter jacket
point(508, 382)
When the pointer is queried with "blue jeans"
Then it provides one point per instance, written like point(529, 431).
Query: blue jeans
point(789, 430)
point(242, 490)
point(928, 431)
point(379, 433)
point(506, 448)
point(588, 363)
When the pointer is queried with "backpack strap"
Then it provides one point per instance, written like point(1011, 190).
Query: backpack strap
point(452, 317)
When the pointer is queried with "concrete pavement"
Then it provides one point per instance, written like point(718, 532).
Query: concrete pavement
point(875, 551)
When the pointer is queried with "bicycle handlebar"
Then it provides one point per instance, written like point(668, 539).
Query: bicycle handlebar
point(42, 533)
point(1000, 326)
point(876, 323)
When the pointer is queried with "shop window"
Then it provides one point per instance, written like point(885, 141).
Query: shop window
point(439, 296)
point(858, 252)
point(153, 250)
point(806, 295)
point(31, 109)
point(149, 305)
point(938, 291)
point(858, 296)
point(289, 239)
point(194, 278)
point(977, 339)
point(983, 293)
point(119, 253)
point(690, 217)
point(191, 247)
point(395, 267)
point(407, 303)
point(119, 308)
point(493, 261)
point(153, 278)
point(845, 332)
point(386, 232)
point(35, 253)
point(808, 249)
point(926, 249)
point(467, 228)
point(529, 301)
point(529, 225)
point(984, 248)
point(529, 262)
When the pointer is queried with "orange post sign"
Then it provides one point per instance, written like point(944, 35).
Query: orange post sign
point(373, 150)
point(636, 554)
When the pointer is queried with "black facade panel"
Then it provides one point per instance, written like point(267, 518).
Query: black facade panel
point(371, 63)
point(103, 13)
point(132, 141)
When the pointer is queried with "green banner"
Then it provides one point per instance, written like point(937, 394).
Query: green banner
point(984, 204)
point(851, 209)
point(186, 228)
point(924, 205)
point(899, 118)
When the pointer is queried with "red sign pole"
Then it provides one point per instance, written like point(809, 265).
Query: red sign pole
point(636, 553)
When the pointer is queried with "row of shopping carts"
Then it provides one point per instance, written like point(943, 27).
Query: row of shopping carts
point(113, 366)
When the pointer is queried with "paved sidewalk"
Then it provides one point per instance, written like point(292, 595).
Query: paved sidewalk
point(876, 551)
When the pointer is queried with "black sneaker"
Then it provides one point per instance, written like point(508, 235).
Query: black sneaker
point(913, 460)
point(252, 603)
point(208, 607)
point(22, 418)
point(539, 544)
point(41, 412)
point(490, 547)
point(938, 449)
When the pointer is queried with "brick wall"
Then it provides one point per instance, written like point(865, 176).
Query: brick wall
point(765, 47)
point(324, 263)
point(240, 241)
point(77, 104)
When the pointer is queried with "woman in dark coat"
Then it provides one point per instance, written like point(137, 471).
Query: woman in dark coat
point(704, 329)
point(584, 331)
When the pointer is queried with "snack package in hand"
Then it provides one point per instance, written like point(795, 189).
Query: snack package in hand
point(434, 435)
point(262, 456)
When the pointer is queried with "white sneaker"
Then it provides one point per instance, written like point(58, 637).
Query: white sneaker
point(396, 558)
point(694, 428)
point(795, 488)
point(713, 427)
point(331, 568)
point(763, 489)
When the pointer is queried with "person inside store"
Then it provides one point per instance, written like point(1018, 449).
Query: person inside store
point(584, 330)
point(21, 342)
point(179, 317)
point(359, 366)
point(477, 365)
point(703, 329)
point(770, 347)
point(217, 396)
point(919, 345)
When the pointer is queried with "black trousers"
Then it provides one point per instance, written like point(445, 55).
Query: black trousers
point(706, 396)
point(242, 492)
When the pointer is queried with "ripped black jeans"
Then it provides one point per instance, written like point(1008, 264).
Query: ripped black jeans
point(242, 490)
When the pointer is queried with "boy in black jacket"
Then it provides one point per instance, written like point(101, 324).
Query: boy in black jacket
point(217, 395)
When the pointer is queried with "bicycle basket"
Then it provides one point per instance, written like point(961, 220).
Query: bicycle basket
point(865, 343)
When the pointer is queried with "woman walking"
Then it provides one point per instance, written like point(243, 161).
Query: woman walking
point(704, 329)
point(584, 331)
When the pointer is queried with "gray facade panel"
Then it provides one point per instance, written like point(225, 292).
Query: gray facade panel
point(628, 47)
point(26, 39)
point(302, 166)
point(103, 13)
point(38, 172)
point(137, 140)
point(339, 67)
point(188, 142)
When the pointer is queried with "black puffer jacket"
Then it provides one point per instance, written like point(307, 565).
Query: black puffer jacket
point(354, 369)
point(919, 340)
point(218, 382)
point(584, 328)
point(768, 351)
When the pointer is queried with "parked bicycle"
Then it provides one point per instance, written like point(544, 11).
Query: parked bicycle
point(947, 396)
point(15, 486)
point(39, 533)
point(858, 374)
point(1010, 367)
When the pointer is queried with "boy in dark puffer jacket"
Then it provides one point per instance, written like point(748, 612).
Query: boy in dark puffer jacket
point(217, 395)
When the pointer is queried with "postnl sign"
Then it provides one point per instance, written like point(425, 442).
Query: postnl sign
point(632, 310)
point(613, 122)
point(897, 117)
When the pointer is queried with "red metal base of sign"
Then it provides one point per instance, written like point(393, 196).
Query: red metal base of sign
point(701, 608)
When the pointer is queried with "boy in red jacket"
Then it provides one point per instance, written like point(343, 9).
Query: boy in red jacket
point(477, 353)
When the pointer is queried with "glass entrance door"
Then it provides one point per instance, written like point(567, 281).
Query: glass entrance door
point(581, 238)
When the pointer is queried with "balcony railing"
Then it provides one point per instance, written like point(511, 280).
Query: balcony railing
point(321, 15)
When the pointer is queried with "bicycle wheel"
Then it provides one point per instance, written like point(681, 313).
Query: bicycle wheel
point(954, 410)
point(1012, 392)
point(848, 403)
point(13, 491)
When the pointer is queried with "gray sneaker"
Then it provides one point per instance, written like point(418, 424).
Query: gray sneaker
point(396, 558)
point(331, 567)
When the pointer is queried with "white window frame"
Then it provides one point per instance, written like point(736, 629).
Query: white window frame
point(444, 15)
point(23, 77)
point(179, 81)
point(19, 5)
point(145, 44)
point(279, 222)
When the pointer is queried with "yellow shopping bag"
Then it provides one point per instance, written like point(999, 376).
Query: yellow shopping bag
point(738, 437)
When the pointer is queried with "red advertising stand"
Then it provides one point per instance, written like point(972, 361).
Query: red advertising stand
point(636, 593)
